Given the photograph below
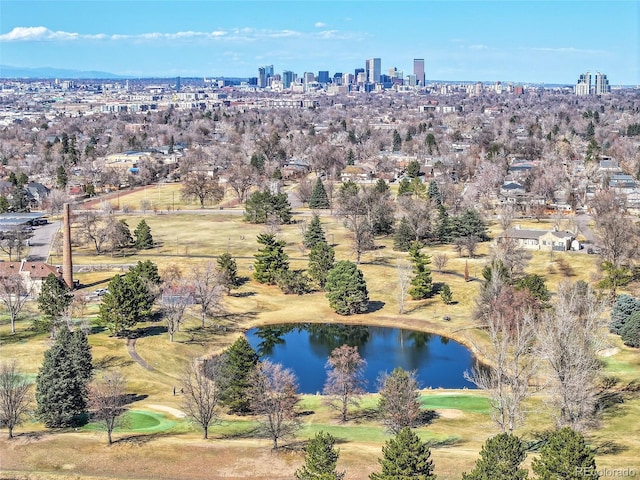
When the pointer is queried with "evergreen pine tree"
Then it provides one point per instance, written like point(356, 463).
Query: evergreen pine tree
point(314, 233)
point(566, 455)
point(144, 240)
point(147, 271)
point(4, 204)
point(270, 259)
point(630, 332)
point(381, 186)
point(319, 198)
point(238, 361)
point(228, 271)
point(446, 295)
point(128, 301)
point(405, 456)
point(347, 289)
point(444, 225)
point(81, 355)
point(321, 261)
point(404, 187)
point(500, 459)
point(403, 236)
point(624, 306)
point(421, 282)
point(61, 383)
point(53, 301)
point(320, 459)
point(433, 192)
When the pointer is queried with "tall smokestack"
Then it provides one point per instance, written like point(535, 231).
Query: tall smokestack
point(67, 263)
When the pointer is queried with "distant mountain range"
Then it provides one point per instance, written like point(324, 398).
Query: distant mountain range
point(7, 71)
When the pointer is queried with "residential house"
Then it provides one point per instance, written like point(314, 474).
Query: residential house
point(32, 273)
point(544, 240)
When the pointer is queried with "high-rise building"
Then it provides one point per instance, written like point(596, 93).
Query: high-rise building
point(323, 76)
point(418, 71)
point(583, 87)
point(288, 77)
point(373, 69)
point(262, 77)
point(602, 84)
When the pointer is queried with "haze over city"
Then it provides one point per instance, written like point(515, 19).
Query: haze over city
point(537, 42)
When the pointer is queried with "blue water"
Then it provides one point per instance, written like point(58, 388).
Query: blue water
point(304, 348)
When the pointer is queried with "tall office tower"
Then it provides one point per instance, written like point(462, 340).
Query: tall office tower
point(309, 77)
point(411, 80)
point(288, 78)
point(262, 77)
point(357, 72)
point(178, 84)
point(602, 84)
point(337, 78)
point(373, 69)
point(583, 87)
point(323, 76)
point(418, 70)
point(269, 70)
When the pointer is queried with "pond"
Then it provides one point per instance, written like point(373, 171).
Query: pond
point(304, 348)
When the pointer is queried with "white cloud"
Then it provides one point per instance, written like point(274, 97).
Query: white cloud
point(478, 47)
point(245, 34)
point(320, 24)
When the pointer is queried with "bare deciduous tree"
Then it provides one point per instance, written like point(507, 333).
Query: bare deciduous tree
point(273, 394)
point(569, 338)
point(241, 179)
point(200, 382)
point(13, 242)
point(405, 274)
point(511, 367)
point(14, 293)
point(174, 303)
point(440, 261)
point(107, 400)
point(399, 403)
point(14, 396)
point(419, 214)
point(202, 187)
point(511, 254)
point(305, 189)
point(345, 378)
point(93, 230)
point(207, 289)
point(352, 208)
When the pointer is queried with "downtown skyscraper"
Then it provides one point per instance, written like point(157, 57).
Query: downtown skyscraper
point(418, 71)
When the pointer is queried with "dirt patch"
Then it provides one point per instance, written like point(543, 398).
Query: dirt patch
point(449, 413)
point(608, 352)
point(170, 410)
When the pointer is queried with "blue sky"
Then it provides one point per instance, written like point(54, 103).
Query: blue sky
point(538, 41)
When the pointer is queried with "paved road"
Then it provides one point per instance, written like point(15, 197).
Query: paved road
point(42, 240)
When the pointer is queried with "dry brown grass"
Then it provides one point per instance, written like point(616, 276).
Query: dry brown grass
point(189, 239)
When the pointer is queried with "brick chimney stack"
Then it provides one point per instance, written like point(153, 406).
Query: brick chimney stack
point(67, 263)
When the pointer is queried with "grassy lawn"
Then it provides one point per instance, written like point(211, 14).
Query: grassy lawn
point(154, 443)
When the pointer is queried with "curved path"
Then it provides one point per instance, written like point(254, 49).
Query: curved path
point(131, 348)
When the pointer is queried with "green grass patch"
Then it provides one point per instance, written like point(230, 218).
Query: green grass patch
point(139, 421)
point(466, 403)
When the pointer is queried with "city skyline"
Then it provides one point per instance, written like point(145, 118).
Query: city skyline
point(520, 41)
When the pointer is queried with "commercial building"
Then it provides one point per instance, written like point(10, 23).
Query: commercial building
point(373, 69)
point(418, 71)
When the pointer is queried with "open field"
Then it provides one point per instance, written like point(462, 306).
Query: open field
point(157, 443)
